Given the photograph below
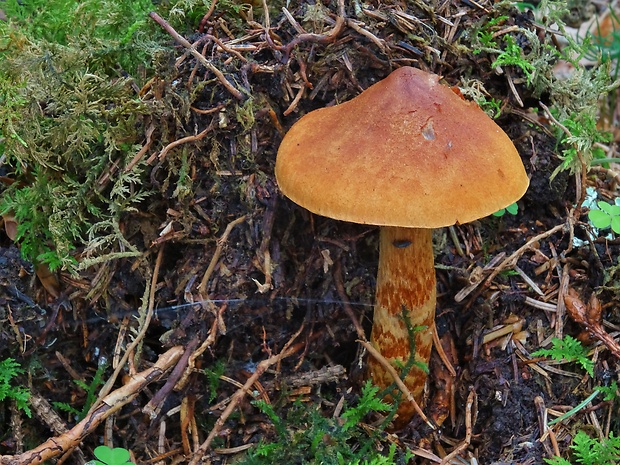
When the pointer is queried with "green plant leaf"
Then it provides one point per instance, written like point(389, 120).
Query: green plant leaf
point(610, 392)
point(569, 349)
point(109, 456)
point(367, 403)
point(589, 451)
point(615, 224)
point(557, 461)
point(9, 389)
point(612, 209)
point(513, 208)
point(599, 219)
point(604, 206)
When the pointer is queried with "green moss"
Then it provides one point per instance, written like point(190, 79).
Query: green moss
point(574, 98)
point(306, 435)
point(71, 123)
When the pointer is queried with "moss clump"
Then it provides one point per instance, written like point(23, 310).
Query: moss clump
point(573, 98)
point(72, 121)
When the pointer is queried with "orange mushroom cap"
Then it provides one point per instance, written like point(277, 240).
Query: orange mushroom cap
point(406, 152)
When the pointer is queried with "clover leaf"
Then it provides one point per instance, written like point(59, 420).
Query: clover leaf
point(108, 456)
point(606, 216)
point(513, 208)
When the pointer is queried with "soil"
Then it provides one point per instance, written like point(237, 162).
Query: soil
point(278, 270)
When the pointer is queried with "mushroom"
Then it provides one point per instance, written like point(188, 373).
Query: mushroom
point(408, 154)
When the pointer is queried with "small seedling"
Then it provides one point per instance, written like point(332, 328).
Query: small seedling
point(485, 34)
point(513, 209)
point(491, 106)
point(9, 369)
point(591, 203)
point(606, 216)
point(108, 456)
point(306, 435)
point(579, 136)
point(513, 55)
point(587, 450)
point(91, 394)
point(610, 392)
point(569, 349)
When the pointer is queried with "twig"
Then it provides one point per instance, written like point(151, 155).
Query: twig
point(609, 173)
point(543, 426)
point(442, 353)
point(471, 399)
point(224, 47)
point(43, 409)
point(208, 342)
point(419, 452)
point(134, 161)
point(545, 306)
point(477, 278)
point(138, 340)
point(513, 89)
point(442, 404)
point(153, 407)
point(120, 340)
point(307, 37)
point(512, 259)
point(293, 21)
point(218, 251)
point(185, 43)
point(509, 328)
point(390, 369)
point(357, 27)
point(208, 111)
point(327, 374)
point(529, 281)
point(111, 404)
point(295, 101)
point(206, 17)
point(240, 394)
point(180, 141)
point(561, 306)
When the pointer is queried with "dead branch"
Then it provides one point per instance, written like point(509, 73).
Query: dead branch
point(218, 251)
point(154, 406)
point(183, 140)
point(112, 403)
point(205, 18)
point(308, 36)
point(216, 328)
point(471, 400)
point(390, 369)
point(196, 54)
point(240, 394)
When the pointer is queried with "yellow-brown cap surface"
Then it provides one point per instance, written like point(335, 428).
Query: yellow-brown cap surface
point(406, 152)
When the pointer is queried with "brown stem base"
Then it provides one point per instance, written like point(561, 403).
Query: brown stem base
point(405, 299)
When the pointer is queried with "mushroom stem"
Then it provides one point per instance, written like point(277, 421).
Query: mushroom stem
point(405, 296)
